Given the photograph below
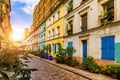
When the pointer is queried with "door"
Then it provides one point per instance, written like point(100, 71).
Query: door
point(70, 45)
point(84, 45)
point(108, 48)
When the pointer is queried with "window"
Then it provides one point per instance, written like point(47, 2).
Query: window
point(53, 18)
point(49, 35)
point(83, 1)
point(84, 22)
point(69, 27)
point(58, 15)
point(52, 33)
point(48, 22)
point(109, 8)
point(58, 46)
point(58, 31)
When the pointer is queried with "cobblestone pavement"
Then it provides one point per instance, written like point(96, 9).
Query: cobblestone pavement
point(48, 71)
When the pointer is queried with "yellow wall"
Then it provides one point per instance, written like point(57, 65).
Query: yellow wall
point(54, 25)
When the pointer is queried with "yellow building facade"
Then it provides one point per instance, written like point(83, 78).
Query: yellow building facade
point(54, 29)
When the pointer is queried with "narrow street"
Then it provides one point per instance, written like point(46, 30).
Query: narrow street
point(48, 71)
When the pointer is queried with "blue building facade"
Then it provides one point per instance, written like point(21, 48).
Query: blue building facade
point(42, 36)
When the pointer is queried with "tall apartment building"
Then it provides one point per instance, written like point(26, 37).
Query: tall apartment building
point(42, 11)
point(26, 32)
point(5, 26)
point(55, 29)
point(42, 36)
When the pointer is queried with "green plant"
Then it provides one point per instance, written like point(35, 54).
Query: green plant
point(103, 68)
point(69, 6)
point(106, 16)
point(113, 70)
point(24, 74)
point(71, 62)
point(1, 1)
point(90, 65)
point(61, 56)
point(9, 59)
point(74, 62)
point(67, 26)
point(70, 51)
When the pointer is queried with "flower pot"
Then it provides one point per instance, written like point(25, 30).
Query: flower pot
point(46, 56)
point(50, 58)
point(69, 64)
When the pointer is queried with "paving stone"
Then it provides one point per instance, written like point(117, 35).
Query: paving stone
point(48, 71)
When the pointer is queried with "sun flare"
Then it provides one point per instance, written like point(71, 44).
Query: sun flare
point(16, 36)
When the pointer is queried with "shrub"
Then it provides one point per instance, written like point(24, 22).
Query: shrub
point(103, 68)
point(113, 70)
point(19, 74)
point(71, 62)
point(9, 59)
point(90, 65)
point(60, 58)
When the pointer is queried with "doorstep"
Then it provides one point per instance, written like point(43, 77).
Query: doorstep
point(83, 73)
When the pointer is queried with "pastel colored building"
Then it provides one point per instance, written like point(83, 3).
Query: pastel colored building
point(54, 29)
point(42, 36)
point(91, 32)
point(36, 39)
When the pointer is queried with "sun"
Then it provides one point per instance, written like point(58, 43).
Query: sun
point(16, 36)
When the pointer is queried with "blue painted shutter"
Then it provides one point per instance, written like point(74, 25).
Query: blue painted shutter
point(108, 50)
point(104, 48)
point(111, 48)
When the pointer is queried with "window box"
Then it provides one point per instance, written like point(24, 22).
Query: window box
point(107, 15)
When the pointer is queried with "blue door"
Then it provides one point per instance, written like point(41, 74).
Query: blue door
point(84, 43)
point(70, 45)
point(108, 48)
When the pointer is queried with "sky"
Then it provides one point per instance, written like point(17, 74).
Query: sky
point(21, 16)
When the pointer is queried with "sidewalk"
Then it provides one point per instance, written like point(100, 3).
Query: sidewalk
point(83, 73)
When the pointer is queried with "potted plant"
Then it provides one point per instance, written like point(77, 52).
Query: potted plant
point(106, 16)
point(50, 57)
point(69, 6)
point(68, 28)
